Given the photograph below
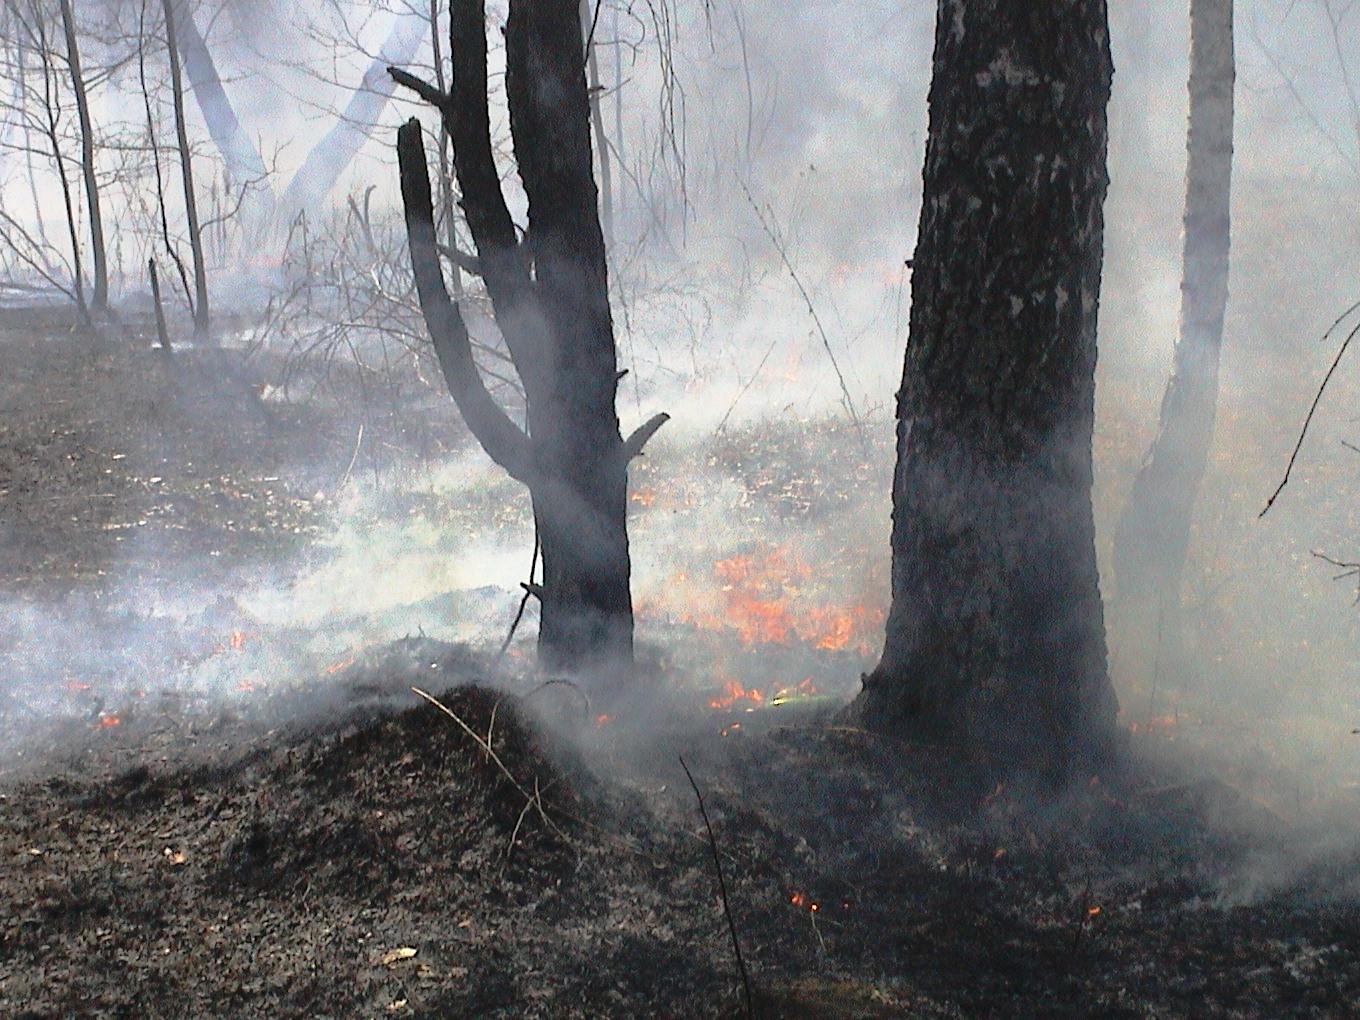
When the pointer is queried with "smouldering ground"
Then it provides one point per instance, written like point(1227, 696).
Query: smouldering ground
point(234, 806)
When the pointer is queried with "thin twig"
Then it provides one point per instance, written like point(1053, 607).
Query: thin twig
point(782, 250)
point(523, 602)
point(722, 889)
point(1317, 399)
point(358, 442)
point(1347, 568)
point(495, 758)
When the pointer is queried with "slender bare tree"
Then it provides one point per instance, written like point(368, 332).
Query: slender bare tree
point(1154, 531)
point(202, 319)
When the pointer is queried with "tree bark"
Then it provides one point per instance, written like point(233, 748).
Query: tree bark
point(99, 298)
point(995, 637)
point(550, 294)
point(1154, 531)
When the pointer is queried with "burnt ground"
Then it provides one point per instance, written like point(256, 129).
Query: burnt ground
point(341, 848)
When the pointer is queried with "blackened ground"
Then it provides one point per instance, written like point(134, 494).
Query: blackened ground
point(359, 854)
point(381, 863)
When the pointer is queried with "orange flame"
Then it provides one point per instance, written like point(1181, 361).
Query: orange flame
point(733, 693)
point(107, 721)
point(765, 600)
point(336, 667)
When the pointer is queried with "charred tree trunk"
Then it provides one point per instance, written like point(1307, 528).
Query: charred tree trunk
point(99, 298)
point(550, 294)
point(1154, 532)
point(995, 637)
point(201, 315)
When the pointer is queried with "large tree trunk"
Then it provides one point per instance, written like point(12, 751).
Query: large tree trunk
point(99, 299)
point(1154, 531)
point(995, 636)
point(551, 299)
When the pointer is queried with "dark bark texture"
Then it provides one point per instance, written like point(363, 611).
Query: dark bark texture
point(995, 637)
point(550, 293)
point(1154, 531)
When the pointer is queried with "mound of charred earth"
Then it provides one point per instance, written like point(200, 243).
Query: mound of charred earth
point(452, 860)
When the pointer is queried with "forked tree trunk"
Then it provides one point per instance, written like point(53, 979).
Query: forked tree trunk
point(99, 263)
point(550, 293)
point(995, 636)
point(202, 320)
point(1154, 531)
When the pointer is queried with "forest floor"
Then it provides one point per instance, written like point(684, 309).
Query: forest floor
point(340, 847)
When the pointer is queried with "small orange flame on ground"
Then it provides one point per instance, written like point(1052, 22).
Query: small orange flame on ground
point(76, 685)
point(249, 686)
point(765, 598)
point(1092, 911)
point(107, 721)
point(804, 902)
point(603, 720)
point(336, 667)
point(645, 496)
point(805, 689)
point(733, 693)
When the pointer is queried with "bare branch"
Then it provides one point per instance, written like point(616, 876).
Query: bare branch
point(632, 446)
point(502, 439)
point(1317, 399)
point(467, 263)
point(439, 100)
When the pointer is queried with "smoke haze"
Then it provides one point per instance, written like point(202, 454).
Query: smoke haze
point(766, 188)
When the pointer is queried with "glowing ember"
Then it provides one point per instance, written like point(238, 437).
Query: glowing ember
point(235, 643)
point(804, 902)
point(336, 667)
point(107, 721)
point(603, 720)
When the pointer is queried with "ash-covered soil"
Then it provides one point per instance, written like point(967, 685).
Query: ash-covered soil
point(339, 847)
